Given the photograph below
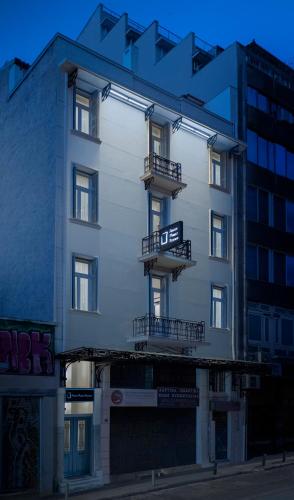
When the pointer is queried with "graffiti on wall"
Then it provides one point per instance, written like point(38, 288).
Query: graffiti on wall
point(20, 449)
point(26, 349)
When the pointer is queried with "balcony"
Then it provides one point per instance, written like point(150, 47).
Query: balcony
point(167, 331)
point(161, 252)
point(162, 175)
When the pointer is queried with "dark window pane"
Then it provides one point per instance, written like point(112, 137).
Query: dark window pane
point(252, 262)
point(280, 160)
point(279, 213)
point(290, 216)
point(271, 156)
point(290, 165)
point(263, 103)
point(290, 270)
point(254, 327)
point(262, 153)
point(279, 268)
point(251, 146)
point(263, 264)
point(251, 97)
point(287, 332)
point(263, 206)
point(251, 206)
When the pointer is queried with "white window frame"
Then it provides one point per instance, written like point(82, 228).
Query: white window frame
point(92, 192)
point(92, 278)
point(223, 233)
point(224, 307)
point(219, 160)
point(79, 108)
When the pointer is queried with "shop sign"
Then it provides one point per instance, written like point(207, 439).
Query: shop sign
point(79, 395)
point(171, 236)
point(26, 348)
point(178, 397)
point(133, 397)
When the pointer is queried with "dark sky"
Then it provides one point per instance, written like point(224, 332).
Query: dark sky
point(27, 25)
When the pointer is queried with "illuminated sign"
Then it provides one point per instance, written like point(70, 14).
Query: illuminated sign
point(171, 236)
point(79, 395)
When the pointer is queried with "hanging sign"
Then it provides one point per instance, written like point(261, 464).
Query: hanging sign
point(171, 236)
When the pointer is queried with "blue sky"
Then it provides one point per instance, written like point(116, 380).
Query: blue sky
point(27, 25)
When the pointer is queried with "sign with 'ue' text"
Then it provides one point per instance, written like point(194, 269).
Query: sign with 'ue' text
point(171, 236)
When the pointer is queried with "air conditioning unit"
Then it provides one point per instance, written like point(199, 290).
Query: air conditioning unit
point(250, 382)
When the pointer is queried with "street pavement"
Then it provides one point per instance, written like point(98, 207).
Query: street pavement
point(271, 484)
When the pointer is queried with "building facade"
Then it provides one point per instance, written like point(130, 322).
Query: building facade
point(124, 236)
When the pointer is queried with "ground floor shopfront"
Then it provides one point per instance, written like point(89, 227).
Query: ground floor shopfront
point(149, 412)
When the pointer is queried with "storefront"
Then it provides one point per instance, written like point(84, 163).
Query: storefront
point(27, 403)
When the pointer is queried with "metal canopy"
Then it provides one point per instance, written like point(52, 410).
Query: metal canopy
point(115, 356)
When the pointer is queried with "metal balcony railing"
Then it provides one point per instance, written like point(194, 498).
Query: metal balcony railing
point(162, 166)
point(170, 328)
point(151, 244)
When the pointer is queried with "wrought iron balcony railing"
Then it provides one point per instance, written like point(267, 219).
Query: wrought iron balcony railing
point(162, 166)
point(169, 328)
point(151, 244)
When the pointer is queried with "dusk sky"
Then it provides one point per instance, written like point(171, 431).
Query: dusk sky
point(27, 25)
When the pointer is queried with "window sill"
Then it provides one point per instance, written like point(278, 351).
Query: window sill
point(88, 313)
point(217, 330)
point(86, 136)
point(219, 188)
point(225, 260)
point(85, 223)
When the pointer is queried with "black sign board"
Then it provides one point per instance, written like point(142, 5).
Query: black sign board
point(171, 236)
point(79, 395)
point(177, 397)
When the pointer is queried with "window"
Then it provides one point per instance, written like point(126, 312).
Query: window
point(287, 331)
point(263, 263)
point(85, 196)
point(279, 213)
point(290, 165)
point(85, 116)
point(279, 268)
point(252, 97)
point(254, 327)
point(251, 203)
point(158, 213)
point(251, 146)
point(290, 270)
point(252, 271)
point(159, 139)
point(263, 206)
point(84, 284)
point(158, 295)
point(218, 167)
point(218, 236)
point(218, 307)
point(290, 216)
point(262, 152)
point(280, 160)
point(217, 381)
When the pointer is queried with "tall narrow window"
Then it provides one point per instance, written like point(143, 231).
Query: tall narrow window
point(263, 207)
point(251, 203)
point(218, 236)
point(85, 196)
point(263, 263)
point(85, 284)
point(254, 327)
point(252, 146)
point(158, 296)
point(158, 213)
point(159, 140)
point(82, 118)
point(218, 307)
point(279, 268)
point(279, 213)
point(218, 167)
point(251, 262)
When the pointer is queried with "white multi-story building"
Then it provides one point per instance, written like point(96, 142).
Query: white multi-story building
point(118, 217)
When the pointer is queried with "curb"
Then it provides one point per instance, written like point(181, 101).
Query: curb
point(194, 481)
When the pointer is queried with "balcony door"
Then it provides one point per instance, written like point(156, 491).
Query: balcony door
point(158, 213)
point(159, 140)
point(159, 297)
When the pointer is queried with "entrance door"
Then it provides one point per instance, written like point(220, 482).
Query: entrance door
point(221, 435)
point(77, 445)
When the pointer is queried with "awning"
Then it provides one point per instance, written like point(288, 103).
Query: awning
point(112, 356)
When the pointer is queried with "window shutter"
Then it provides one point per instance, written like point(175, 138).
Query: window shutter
point(224, 179)
point(74, 206)
point(94, 205)
point(73, 259)
point(74, 93)
point(94, 301)
point(165, 140)
point(94, 114)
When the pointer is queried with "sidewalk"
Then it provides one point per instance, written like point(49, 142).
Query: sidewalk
point(179, 477)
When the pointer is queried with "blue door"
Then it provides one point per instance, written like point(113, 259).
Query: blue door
point(77, 445)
